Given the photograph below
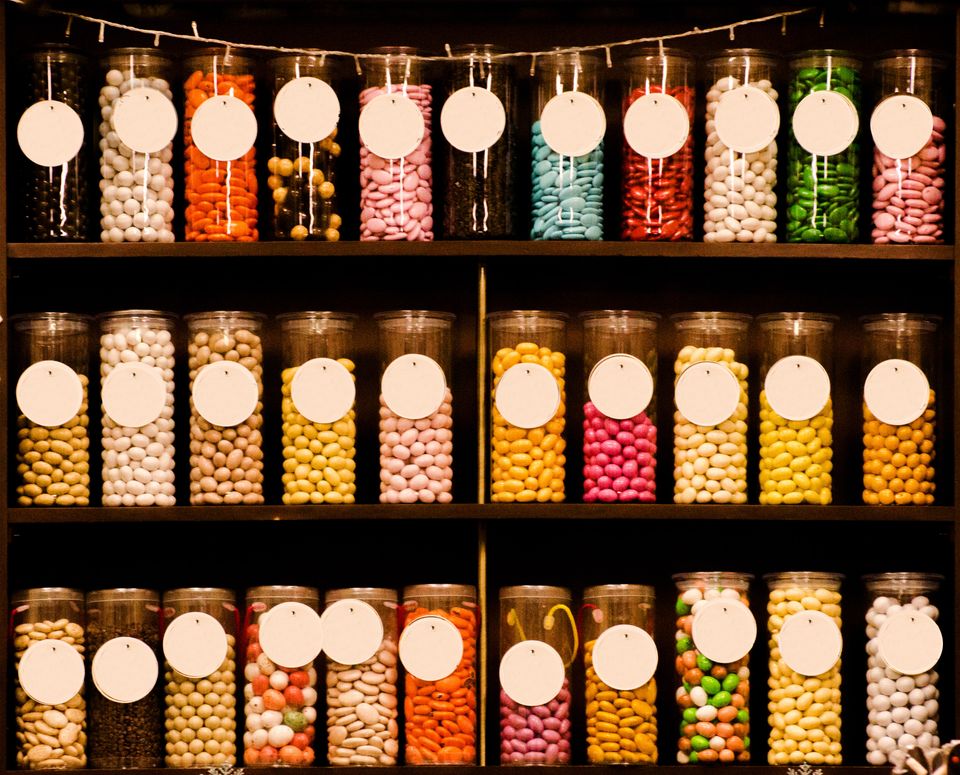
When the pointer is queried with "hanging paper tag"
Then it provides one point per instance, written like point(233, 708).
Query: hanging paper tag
point(49, 393)
point(656, 125)
point(810, 642)
point(625, 657)
point(224, 128)
point(306, 109)
point(125, 670)
point(901, 125)
point(50, 133)
point(413, 386)
point(573, 123)
point(707, 393)
point(797, 387)
point(51, 672)
point(391, 125)
point(896, 392)
point(430, 648)
point(145, 120)
point(724, 630)
point(531, 673)
point(527, 395)
point(291, 634)
point(352, 631)
point(472, 119)
point(134, 394)
point(747, 119)
point(323, 390)
point(225, 393)
point(195, 644)
point(620, 386)
point(825, 123)
point(910, 642)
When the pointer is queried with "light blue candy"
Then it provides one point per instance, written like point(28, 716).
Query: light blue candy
point(594, 233)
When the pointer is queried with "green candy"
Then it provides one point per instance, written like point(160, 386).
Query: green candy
point(731, 682)
point(746, 742)
point(721, 699)
point(689, 715)
point(699, 743)
point(693, 757)
point(295, 720)
point(810, 235)
point(684, 644)
point(682, 608)
point(743, 716)
point(710, 684)
point(704, 663)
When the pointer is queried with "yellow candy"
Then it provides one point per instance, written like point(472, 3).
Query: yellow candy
point(793, 457)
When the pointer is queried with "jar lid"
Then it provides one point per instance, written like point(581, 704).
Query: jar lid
point(713, 578)
point(223, 316)
point(54, 322)
point(809, 321)
point(134, 51)
point(646, 53)
point(206, 594)
point(620, 591)
point(283, 592)
point(465, 591)
point(361, 593)
point(728, 321)
point(523, 317)
point(937, 58)
point(534, 591)
point(144, 314)
point(630, 317)
point(804, 578)
point(900, 321)
point(45, 595)
point(221, 51)
point(908, 582)
point(415, 319)
point(344, 321)
point(123, 595)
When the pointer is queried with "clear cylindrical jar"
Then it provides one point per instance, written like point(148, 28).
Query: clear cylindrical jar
point(741, 174)
point(319, 436)
point(536, 620)
point(136, 347)
point(302, 169)
point(55, 196)
point(53, 447)
point(618, 605)
point(455, 693)
point(796, 408)
point(823, 176)
point(567, 182)
point(804, 697)
point(910, 167)
point(899, 423)
point(902, 708)
point(527, 461)
point(37, 615)
point(396, 177)
point(226, 443)
point(136, 184)
point(221, 194)
point(710, 448)
point(125, 735)
point(362, 698)
point(707, 683)
point(657, 167)
point(416, 406)
point(480, 202)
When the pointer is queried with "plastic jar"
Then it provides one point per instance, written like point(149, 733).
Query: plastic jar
point(136, 177)
point(416, 406)
point(614, 736)
point(527, 446)
point(454, 693)
point(910, 169)
point(567, 180)
point(39, 615)
point(303, 167)
point(137, 384)
point(396, 177)
point(221, 194)
point(899, 408)
point(741, 173)
point(538, 636)
point(619, 416)
point(226, 407)
point(53, 448)
point(796, 408)
point(658, 146)
point(710, 465)
point(805, 644)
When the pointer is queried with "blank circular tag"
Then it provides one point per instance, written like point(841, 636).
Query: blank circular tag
point(49, 393)
point(656, 125)
point(306, 109)
point(391, 125)
point(810, 642)
point(573, 123)
point(625, 657)
point(825, 123)
point(707, 393)
point(352, 631)
point(323, 390)
point(430, 648)
point(896, 392)
point(50, 133)
point(901, 125)
point(224, 128)
point(724, 630)
point(134, 394)
point(747, 119)
point(472, 119)
point(910, 642)
point(528, 395)
point(225, 393)
point(51, 672)
point(413, 386)
point(620, 386)
point(145, 120)
point(291, 634)
point(195, 644)
point(125, 670)
point(532, 673)
point(797, 387)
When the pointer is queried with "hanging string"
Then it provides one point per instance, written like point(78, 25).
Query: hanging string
point(783, 25)
point(609, 60)
point(733, 33)
point(449, 51)
point(356, 61)
point(66, 34)
point(156, 40)
point(822, 14)
point(100, 36)
point(533, 65)
point(660, 48)
point(196, 32)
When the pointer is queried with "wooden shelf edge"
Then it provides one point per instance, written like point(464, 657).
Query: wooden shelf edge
point(565, 769)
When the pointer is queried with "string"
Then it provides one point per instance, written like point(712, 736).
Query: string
point(514, 621)
point(573, 626)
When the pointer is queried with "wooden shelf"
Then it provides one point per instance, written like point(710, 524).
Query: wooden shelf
point(567, 769)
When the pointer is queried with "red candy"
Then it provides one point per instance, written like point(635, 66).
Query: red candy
point(619, 458)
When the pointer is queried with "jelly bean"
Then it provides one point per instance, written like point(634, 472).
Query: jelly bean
point(635, 446)
point(898, 459)
point(303, 190)
point(796, 457)
point(536, 735)
point(426, 477)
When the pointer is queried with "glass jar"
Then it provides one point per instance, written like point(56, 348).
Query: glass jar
point(899, 425)
point(796, 410)
point(567, 182)
point(396, 185)
point(710, 449)
point(136, 347)
point(226, 444)
point(531, 616)
point(302, 169)
point(37, 615)
point(902, 708)
point(136, 184)
point(741, 173)
point(221, 194)
point(823, 179)
point(909, 167)
point(804, 697)
point(619, 413)
point(216, 730)
point(480, 181)
point(319, 437)
point(527, 461)
point(53, 448)
point(416, 406)
point(620, 606)
point(658, 165)
point(457, 603)
point(125, 735)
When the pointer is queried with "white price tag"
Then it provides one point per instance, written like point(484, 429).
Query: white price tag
point(573, 123)
point(747, 119)
point(707, 393)
point(195, 644)
point(391, 125)
point(353, 631)
point(430, 648)
point(50, 133)
point(910, 642)
point(49, 393)
point(901, 125)
point(413, 386)
point(810, 642)
point(656, 125)
point(145, 120)
point(323, 390)
point(291, 634)
point(625, 657)
point(896, 392)
point(724, 630)
point(473, 119)
point(527, 395)
point(225, 393)
point(620, 386)
point(797, 387)
point(224, 128)
point(825, 123)
point(134, 394)
point(306, 109)
point(531, 673)
point(51, 672)
point(125, 670)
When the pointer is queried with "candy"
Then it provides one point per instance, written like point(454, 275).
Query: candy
point(619, 458)
point(536, 734)
point(898, 459)
point(416, 455)
point(567, 192)
point(796, 457)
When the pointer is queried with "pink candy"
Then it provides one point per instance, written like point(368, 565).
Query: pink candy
point(535, 735)
point(619, 458)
